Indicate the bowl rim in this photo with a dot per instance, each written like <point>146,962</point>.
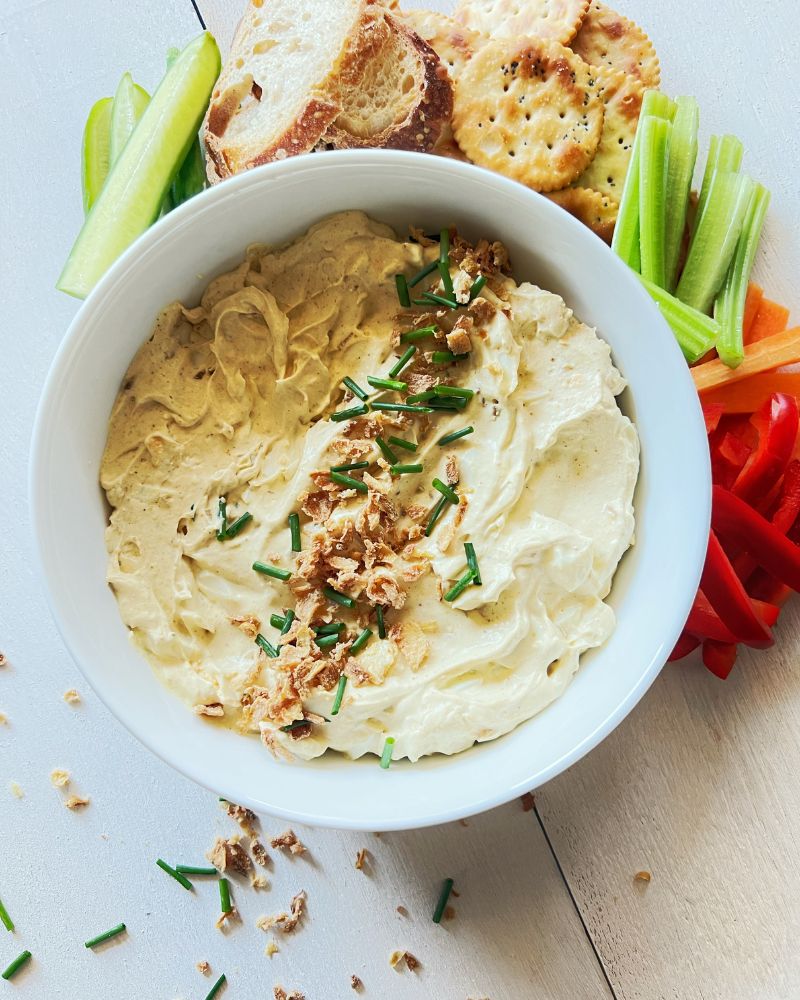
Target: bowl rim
<point>220,193</point>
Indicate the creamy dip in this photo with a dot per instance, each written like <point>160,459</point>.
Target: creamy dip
<point>233,398</point>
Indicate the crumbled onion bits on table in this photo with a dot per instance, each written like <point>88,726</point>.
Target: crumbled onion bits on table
<point>410,960</point>
<point>3,659</point>
<point>59,778</point>
<point>72,697</point>
<point>77,802</point>
<point>288,840</point>
<point>642,877</point>
<point>16,790</point>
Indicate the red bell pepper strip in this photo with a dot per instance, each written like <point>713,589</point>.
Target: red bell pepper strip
<point>725,591</point>
<point>719,657</point>
<point>777,422</point>
<point>738,522</point>
<point>711,414</point>
<point>788,507</point>
<point>729,455</point>
<point>686,644</point>
<point>704,623</point>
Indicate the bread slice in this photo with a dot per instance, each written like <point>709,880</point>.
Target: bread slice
<point>400,98</point>
<point>279,88</point>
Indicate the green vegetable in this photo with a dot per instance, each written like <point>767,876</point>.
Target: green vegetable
<point>401,408</point>
<point>625,243</point>
<point>386,451</point>
<point>695,332</point>
<point>381,622</point>
<point>355,388</point>
<point>273,571</point>
<point>458,588</point>
<point>349,467</point>
<point>337,701</point>
<point>233,530</point>
<point>338,598</point>
<point>176,875</point>
<point>447,491</point>
<point>349,482</point>
<point>477,287</point>
<point>680,170</point>
<point>401,443</point>
<point>386,756</point>
<point>130,103</point>
<point>7,922</point>
<point>714,239</point>
<point>294,531</point>
<point>216,987</point>
<point>191,177</point>
<point>392,384</point>
<point>401,362</point>
<point>402,290</point>
<point>455,435</point>
<point>105,936</point>
<point>472,562</point>
<point>327,641</point>
<point>421,334</point>
<point>267,646</point>
<point>423,273</point>
<point>405,470</point>
<point>225,895</point>
<point>432,299</point>
<point>134,190</point>
<point>361,641</point>
<point>436,513</point>
<point>725,153</point>
<point>329,629</point>
<point>16,965</point>
<point>195,870</point>
<point>653,162</point>
<point>444,895</point>
<point>729,308</point>
<point>222,511</point>
<point>455,391</point>
<point>95,151</point>
<point>350,414</point>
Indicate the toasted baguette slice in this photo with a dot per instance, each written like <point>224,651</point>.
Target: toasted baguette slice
<point>401,98</point>
<point>278,90</point>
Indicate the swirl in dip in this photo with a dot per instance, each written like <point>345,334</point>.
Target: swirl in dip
<point>233,399</point>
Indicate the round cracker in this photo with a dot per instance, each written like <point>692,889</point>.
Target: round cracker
<point>528,108</point>
<point>610,40</point>
<point>622,98</point>
<point>452,42</point>
<point>556,19</point>
<point>595,210</point>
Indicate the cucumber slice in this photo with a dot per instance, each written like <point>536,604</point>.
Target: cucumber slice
<point>95,151</point>
<point>135,187</point>
<point>130,102</point>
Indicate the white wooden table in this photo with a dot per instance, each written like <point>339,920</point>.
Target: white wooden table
<point>699,786</point>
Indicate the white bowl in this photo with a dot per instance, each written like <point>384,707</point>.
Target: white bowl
<point>175,259</point>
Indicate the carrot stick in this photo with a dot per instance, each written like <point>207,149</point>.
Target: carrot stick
<point>755,293</point>
<point>770,319</point>
<point>750,394</point>
<point>772,352</point>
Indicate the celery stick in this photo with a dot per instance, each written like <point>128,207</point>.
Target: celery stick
<point>95,151</point>
<point>130,101</point>
<point>724,153</point>
<point>682,158</point>
<point>729,307</point>
<point>653,165</point>
<point>625,242</point>
<point>695,332</point>
<point>714,240</point>
<point>136,185</point>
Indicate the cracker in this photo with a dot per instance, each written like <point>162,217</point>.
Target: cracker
<point>622,97</point>
<point>611,40</point>
<point>593,209</point>
<point>452,42</point>
<point>556,19</point>
<point>530,109</point>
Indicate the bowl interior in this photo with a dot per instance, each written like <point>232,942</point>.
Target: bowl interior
<point>175,260</point>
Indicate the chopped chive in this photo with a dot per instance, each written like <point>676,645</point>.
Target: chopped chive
<point>458,588</point>
<point>277,621</point>
<point>337,598</point>
<point>297,724</point>
<point>455,435</point>
<point>350,414</point>
<point>449,403</point>
<point>472,562</point>
<point>8,923</point>
<point>16,965</point>
<point>287,622</point>
<point>327,641</point>
<point>402,361</point>
<point>216,987</point>
<point>424,331</point>
<point>444,246</point>
<point>355,388</point>
<point>401,408</point>
<point>361,641</point>
<point>444,895</point>
<point>423,273</point>
<point>381,623</point>
<point>274,571</point>
<point>238,524</point>
<point>105,936</point>
<point>222,510</point>
<point>454,390</point>
<point>386,451</point>
<point>431,298</point>
<point>446,357</point>
<point>447,281</point>
<point>329,629</point>
<point>349,482</point>
<point>435,515</point>
<point>408,445</point>
<point>225,895</point>
<point>387,383</point>
<point>402,290</point>
<point>267,646</point>
<point>386,756</point>
<point>477,287</point>
<point>195,869</point>
<point>421,397</point>
<point>350,466</point>
<point>447,491</point>
<point>176,875</point>
<point>337,700</point>
<point>404,470</point>
<point>294,529</point>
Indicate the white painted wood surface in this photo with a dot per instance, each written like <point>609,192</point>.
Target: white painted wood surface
<point>698,786</point>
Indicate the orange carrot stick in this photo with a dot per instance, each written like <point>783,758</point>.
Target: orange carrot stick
<point>751,393</point>
<point>772,352</point>
<point>755,293</point>
<point>770,319</point>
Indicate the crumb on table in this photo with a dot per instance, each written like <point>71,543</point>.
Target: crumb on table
<point>397,957</point>
<point>77,801</point>
<point>288,840</point>
<point>355,983</point>
<point>72,697</point>
<point>16,790</point>
<point>59,778</point>
<point>361,858</point>
<point>642,876</point>
<point>204,968</point>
